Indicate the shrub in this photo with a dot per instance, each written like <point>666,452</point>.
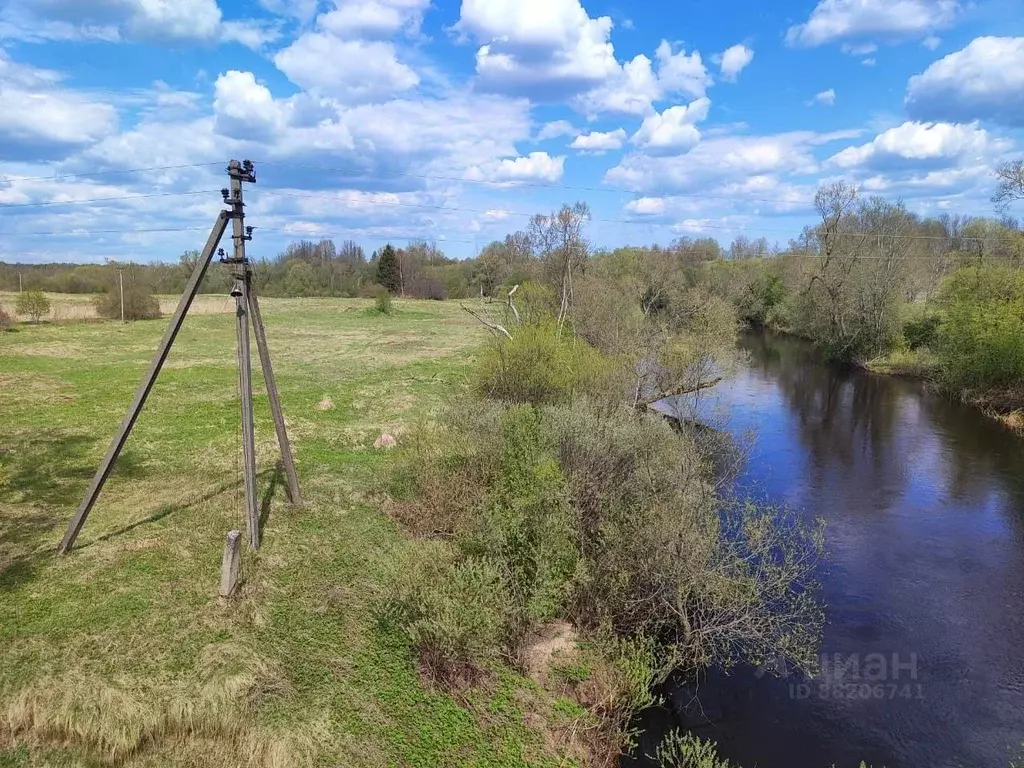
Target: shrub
<point>453,610</point>
<point>139,302</point>
<point>679,750</point>
<point>383,303</point>
<point>981,336</point>
<point>6,321</point>
<point>32,303</point>
<point>539,365</point>
<point>921,331</point>
<point>526,525</point>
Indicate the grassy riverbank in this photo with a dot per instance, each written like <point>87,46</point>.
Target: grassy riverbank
<point>1004,404</point>
<point>122,653</point>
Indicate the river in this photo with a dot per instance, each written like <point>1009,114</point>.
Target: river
<point>924,504</point>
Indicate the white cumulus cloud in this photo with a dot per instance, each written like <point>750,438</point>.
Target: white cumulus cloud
<point>734,60</point>
<point>596,141</point>
<point>40,118</point>
<point>984,81</point>
<point>833,20</point>
<point>156,20</point>
<point>639,83</point>
<point>536,166</point>
<point>828,98</point>
<point>373,18</point>
<point>646,206</point>
<point>555,129</point>
<point>919,145</point>
<point>550,47</point>
<point>350,70</point>
<point>672,130</point>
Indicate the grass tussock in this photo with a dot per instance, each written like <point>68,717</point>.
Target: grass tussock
<point>104,721</point>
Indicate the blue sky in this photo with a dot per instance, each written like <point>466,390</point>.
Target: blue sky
<point>453,121</point>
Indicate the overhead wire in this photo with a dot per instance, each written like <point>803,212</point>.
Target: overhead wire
<point>84,174</point>
<point>334,197</point>
<point>5,206</point>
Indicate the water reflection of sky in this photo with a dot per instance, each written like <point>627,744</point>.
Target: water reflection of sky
<point>924,502</point>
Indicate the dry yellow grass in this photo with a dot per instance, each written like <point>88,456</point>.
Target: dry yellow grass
<point>78,307</point>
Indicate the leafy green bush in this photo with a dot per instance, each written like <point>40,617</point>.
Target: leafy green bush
<point>540,365</point>
<point>981,336</point>
<point>139,302</point>
<point>32,303</point>
<point>684,750</point>
<point>453,609</point>
<point>526,526</point>
<point>921,331</point>
<point>383,303</point>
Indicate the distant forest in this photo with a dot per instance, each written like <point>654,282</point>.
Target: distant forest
<point>422,270</point>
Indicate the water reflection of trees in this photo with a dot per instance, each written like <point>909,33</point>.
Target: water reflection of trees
<point>846,421</point>
<point>981,451</point>
<point>857,430</point>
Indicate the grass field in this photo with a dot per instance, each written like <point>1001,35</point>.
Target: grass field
<point>122,653</point>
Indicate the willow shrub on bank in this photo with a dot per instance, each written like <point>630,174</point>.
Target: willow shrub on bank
<point>580,506</point>
<point>605,517</point>
<point>981,336</point>
<point>539,365</point>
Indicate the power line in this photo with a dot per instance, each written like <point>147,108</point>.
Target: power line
<point>89,233</point>
<point>111,173</point>
<point>513,183</point>
<point>5,206</point>
<point>330,197</point>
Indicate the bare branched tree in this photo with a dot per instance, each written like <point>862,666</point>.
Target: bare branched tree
<point>1011,184</point>
<point>561,244</point>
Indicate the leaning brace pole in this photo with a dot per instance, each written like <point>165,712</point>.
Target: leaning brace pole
<point>294,496</point>
<point>219,226</point>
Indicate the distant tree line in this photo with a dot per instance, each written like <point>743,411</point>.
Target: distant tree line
<point>861,231</point>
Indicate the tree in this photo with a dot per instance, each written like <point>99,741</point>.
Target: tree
<point>188,261</point>
<point>563,248</point>
<point>139,301</point>
<point>34,304</point>
<point>1011,184</point>
<point>300,280</point>
<point>388,271</point>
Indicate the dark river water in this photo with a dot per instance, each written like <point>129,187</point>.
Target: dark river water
<point>924,503</point>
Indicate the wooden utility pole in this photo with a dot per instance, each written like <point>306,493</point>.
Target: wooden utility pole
<point>240,291</point>
<point>246,304</point>
<point>120,280</point>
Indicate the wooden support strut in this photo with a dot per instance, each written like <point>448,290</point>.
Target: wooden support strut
<point>294,494</point>
<point>246,305</point>
<point>191,288</point>
<point>230,563</point>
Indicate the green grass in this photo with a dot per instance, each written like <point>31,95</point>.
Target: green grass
<point>919,363</point>
<point>122,653</point>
